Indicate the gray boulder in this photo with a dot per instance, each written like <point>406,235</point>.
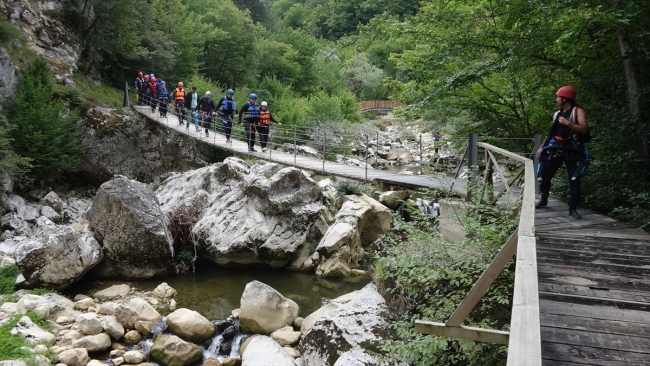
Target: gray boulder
<point>264,310</point>
<point>8,80</point>
<point>53,200</point>
<point>126,219</point>
<point>355,327</point>
<point>56,256</point>
<point>262,350</point>
<point>191,325</point>
<point>32,333</point>
<point>173,351</point>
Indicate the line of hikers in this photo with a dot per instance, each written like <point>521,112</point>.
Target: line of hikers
<point>153,92</point>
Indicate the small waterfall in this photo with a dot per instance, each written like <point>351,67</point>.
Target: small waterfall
<point>428,208</point>
<point>226,340</point>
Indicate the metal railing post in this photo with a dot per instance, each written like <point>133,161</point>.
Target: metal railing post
<point>269,142</point>
<point>537,141</point>
<point>367,143</point>
<point>377,149</point>
<point>472,163</point>
<point>324,147</point>
<point>295,147</point>
<point>125,103</point>
<point>345,145</point>
<point>421,154</point>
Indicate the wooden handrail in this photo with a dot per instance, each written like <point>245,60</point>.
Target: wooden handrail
<point>379,104</point>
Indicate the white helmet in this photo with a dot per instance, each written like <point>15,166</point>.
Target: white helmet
<point>208,93</point>
<point>265,104</point>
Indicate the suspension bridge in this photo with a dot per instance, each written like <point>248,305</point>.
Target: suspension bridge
<point>581,291</point>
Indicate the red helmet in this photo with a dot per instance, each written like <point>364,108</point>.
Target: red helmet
<point>180,84</point>
<point>566,92</point>
<point>152,80</point>
<point>139,74</point>
<point>146,77</point>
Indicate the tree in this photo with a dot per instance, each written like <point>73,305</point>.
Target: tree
<point>45,132</point>
<point>360,74</point>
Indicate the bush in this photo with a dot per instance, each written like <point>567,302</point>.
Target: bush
<point>7,32</point>
<point>181,223</point>
<point>346,186</point>
<point>7,279</point>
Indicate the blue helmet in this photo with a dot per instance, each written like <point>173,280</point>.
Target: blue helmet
<point>252,96</point>
<point>151,75</point>
<point>162,82</point>
<point>230,92</point>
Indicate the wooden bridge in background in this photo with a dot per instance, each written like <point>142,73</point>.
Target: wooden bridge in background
<point>379,105</point>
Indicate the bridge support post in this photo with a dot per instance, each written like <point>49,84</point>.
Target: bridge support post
<point>125,103</point>
<point>421,154</point>
<point>377,150</point>
<point>366,178</point>
<point>537,140</point>
<point>295,145</point>
<point>324,151</point>
<point>472,163</point>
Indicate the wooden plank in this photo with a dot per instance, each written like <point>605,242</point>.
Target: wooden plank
<point>501,151</point>
<point>484,282</point>
<point>554,352</point>
<point>498,169</point>
<point>539,214</point>
<point>469,333</point>
<point>613,283</point>
<point>596,301</point>
<point>594,291</point>
<point>595,312</point>
<point>595,325</point>
<point>612,234</point>
<point>597,340</point>
<point>603,268</point>
<point>578,256</point>
<point>575,224</point>
<point>637,283</point>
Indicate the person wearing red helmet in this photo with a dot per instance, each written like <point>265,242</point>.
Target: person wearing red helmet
<point>152,93</point>
<point>138,85</point>
<point>564,144</point>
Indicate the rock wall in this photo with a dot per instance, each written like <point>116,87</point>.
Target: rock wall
<point>7,75</point>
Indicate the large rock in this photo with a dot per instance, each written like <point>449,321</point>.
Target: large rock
<point>191,325</point>
<point>164,292</point>
<point>126,316</point>
<point>263,350</point>
<point>135,357</point>
<point>360,220</point>
<point>8,80</point>
<point>264,310</point>
<point>56,256</point>
<point>89,324</point>
<point>256,215</point>
<point>32,333</point>
<point>113,292</point>
<point>173,351</point>
<point>93,343</point>
<point>286,336</point>
<point>126,219</point>
<point>113,327</point>
<point>392,199</point>
<point>52,199</point>
<point>356,327</point>
<point>145,311</point>
<point>74,357</point>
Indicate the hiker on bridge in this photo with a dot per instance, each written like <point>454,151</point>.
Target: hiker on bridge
<point>191,104</point>
<point>564,144</point>
<point>163,99</point>
<point>264,125</point>
<point>251,113</point>
<point>139,87</point>
<point>207,109</point>
<point>152,92</point>
<point>228,109</point>
<point>179,102</point>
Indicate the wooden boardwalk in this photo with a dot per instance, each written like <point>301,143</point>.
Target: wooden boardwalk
<point>306,162</point>
<point>594,289</point>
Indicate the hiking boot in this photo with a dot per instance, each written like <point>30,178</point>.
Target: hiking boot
<point>543,201</point>
<point>263,149</point>
<point>252,149</point>
<point>207,134</point>
<point>574,213</point>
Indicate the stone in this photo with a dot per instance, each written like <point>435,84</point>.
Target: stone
<point>164,291</point>
<point>309,321</point>
<point>191,325</point>
<point>298,322</point>
<point>113,292</point>
<point>135,357</point>
<point>356,327</point>
<point>126,316</point>
<point>79,297</point>
<point>7,262</point>
<point>211,361</point>
<point>292,351</point>
<point>89,324</point>
<point>93,343</point>
<point>144,327</point>
<point>8,80</point>
<point>69,337</point>
<point>173,351</point>
<point>132,337</point>
<point>286,337</point>
<point>392,199</point>
<point>231,361</point>
<point>96,363</point>
<point>145,311</point>
<point>117,353</point>
<point>56,256</point>
<point>49,212</point>
<point>107,308</point>
<point>258,214</point>
<point>74,357</point>
<point>113,327</point>
<point>32,333</point>
<point>84,304</point>
<point>235,313</point>
<point>126,219</point>
<point>262,350</point>
<point>264,310</point>
<point>52,200</point>
<point>118,361</point>
<point>64,320</point>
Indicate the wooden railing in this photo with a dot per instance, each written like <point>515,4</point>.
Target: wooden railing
<point>376,105</point>
<point>523,339</point>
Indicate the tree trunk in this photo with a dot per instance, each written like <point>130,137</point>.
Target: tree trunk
<point>634,94</point>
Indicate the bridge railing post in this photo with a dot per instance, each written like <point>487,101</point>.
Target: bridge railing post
<point>125,103</point>
<point>472,163</point>
<point>324,147</point>
<point>295,145</point>
<point>377,150</point>
<point>365,180</point>
<point>421,154</point>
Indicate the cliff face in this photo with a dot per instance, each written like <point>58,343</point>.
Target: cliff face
<point>45,34</point>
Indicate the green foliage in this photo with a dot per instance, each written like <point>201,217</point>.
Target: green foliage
<point>407,134</point>
<point>45,132</point>
<point>11,163</point>
<point>10,345</point>
<point>345,187</point>
<point>361,75</point>
<point>423,276</point>
<point>7,33</point>
<point>324,108</point>
<point>7,279</point>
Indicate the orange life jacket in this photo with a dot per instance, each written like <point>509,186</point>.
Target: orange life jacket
<point>265,118</point>
<point>179,94</point>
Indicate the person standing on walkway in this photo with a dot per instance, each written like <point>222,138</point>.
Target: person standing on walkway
<point>264,125</point>
<point>207,109</point>
<point>179,102</point>
<point>191,103</point>
<point>144,89</point>
<point>436,141</point>
<point>564,144</point>
<point>228,109</point>
<point>152,93</point>
<point>138,85</point>
<point>163,98</point>
<point>250,111</point>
